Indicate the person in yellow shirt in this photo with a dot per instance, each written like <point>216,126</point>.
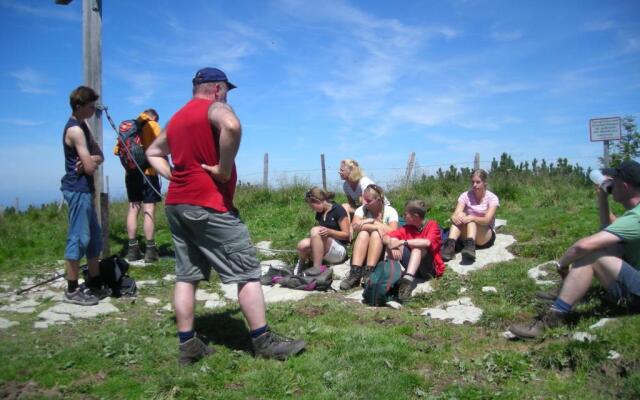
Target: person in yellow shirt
<point>143,193</point>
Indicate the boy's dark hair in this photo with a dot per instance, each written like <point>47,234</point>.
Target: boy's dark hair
<point>417,207</point>
<point>153,113</point>
<point>82,95</point>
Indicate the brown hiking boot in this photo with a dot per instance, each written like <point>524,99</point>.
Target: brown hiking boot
<point>193,350</point>
<point>151,254</point>
<point>366,274</point>
<point>134,253</point>
<point>449,251</point>
<point>536,328</point>
<point>405,287</point>
<point>353,279</point>
<point>469,250</point>
<point>272,345</point>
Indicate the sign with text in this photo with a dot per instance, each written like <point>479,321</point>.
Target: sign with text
<point>605,129</point>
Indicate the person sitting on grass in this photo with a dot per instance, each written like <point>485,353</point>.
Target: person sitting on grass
<point>370,221</point>
<point>416,245</point>
<point>473,220</point>
<point>612,255</point>
<point>329,239</point>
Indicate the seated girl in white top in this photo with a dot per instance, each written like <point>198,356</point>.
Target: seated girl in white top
<point>329,239</point>
<point>473,220</point>
<point>369,221</point>
<point>354,184</point>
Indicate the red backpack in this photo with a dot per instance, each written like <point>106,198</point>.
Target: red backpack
<point>131,151</point>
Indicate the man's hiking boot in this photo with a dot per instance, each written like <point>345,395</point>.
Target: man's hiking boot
<point>548,296</point>
<point>80,297</point>
<point>134,253</point>
<point>353,279</point>
<point>469,250</point>
<point>449,251</point>
<point>99,292</point>
<point>151,254</point>
<point>405,287</point>
<point>193,350</point>
<point>272,345</point>
<point>534,329</point>
<point>366,274</point>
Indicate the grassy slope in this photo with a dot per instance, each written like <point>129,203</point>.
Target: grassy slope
<point>354,352</point>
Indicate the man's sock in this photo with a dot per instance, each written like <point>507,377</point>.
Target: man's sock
<point>72,286</point>
<point>560,306</point>
<point>409,277</point>
<point>184,336</point>
<point>257,332</point>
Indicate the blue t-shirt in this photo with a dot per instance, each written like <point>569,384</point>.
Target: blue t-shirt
<point>72,181</point>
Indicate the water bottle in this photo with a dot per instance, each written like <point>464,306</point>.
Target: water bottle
<point>603,181</point>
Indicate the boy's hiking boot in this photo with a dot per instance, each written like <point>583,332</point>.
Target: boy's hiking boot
<point>272,345</point>
<point>534,329</point>
<point>99,292</point>
<point>192,350</point>
<point>449,251</point>
<point>151,254</point>
<point>469,250</point>
<point>353,279</point>
<point>405,287</point>
<point>134,253</point>
<point>80,297</point>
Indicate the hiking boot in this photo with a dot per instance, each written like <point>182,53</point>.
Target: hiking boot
<point>469,250</point>
<point>99,292</point>
<point>192,350</point>
<point>405,287</point>
<point>536,328</point>
<point>79,297</point>
<point>272,345</point>
<point>134,253</point>
<point>151,254</point>
<point>366,274</point>
<point>353,279</point>
<point>548,296</point>
<point>449,251</point>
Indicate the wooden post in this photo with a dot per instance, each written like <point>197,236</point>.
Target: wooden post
<point>476,162</point>
<point>412,160</point>
<point>605,153</point>
<point>92,71</point>
<point>265,175</point>
<point>324,172</point>
<point>17,204</point>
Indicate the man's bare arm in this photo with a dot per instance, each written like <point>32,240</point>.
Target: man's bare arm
<point>222,117</point>
<point>157,153</point>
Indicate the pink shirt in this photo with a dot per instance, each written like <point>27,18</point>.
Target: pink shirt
<point>479,208</point>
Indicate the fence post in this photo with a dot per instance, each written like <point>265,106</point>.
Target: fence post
<point>412,160</point>
<point>17,204</point>
<point>324,172</point>
<point>476,162</point>
<point>265,175</point>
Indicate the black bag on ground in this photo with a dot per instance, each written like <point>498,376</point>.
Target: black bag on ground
<point>113,272</point>
<point>314,278</point>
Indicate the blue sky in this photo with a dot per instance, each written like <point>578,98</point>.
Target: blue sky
<point>369,80</point>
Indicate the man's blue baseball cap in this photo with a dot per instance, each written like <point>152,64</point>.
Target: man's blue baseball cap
<point>209,74</point>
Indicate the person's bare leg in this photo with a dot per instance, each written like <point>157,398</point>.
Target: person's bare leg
<point>317,246</point>
<point>149,221</point>
<point>304,249</point>
<point>184,301</point>
<point>360,248</point>
<point>375,249</point>
<point>132,220</point>
<point>251,302</point>
<point>414,261</point>
<point>454,232</point>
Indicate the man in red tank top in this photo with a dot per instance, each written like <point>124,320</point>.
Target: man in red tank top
<point>203,138</point>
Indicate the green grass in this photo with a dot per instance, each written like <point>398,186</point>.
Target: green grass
<point>353,352</point>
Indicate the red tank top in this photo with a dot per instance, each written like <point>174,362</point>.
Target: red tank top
<point>192,142</point>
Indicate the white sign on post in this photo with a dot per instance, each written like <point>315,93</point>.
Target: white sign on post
<point>605,129</point>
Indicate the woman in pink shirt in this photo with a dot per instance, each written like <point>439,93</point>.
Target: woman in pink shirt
<point>473,220</point>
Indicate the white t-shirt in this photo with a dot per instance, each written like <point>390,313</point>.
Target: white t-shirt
<point>357,193</point>
<point>390,214</point>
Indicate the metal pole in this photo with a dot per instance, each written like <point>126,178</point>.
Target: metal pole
<point>605,155</point>
<point>92,72</point>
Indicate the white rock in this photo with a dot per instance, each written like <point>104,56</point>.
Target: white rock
<point>150,282</point>
<point>203,295</point>
<point>499,223</point>
<point>357,295</point>
<point>508,335</point>
<point>422,287</point>
<point>168,307</point>
<point>583,337</point>
<point>394,304</point>
<point>64,311</point>
<point>210,304</point>
<point>489,289</point>
<point>24,307</point>
<point>151,300</point>
<point>496,253</point>
<point>169,278</point>
<point>462,290</point>
<point>613,355</point>
<point>272,294</point>
<point>264,248</point>
<point>5,323</point>
<point>458,311</point>
<point>601,323</point>
<point>5,287</point>
<point>538,272</point>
